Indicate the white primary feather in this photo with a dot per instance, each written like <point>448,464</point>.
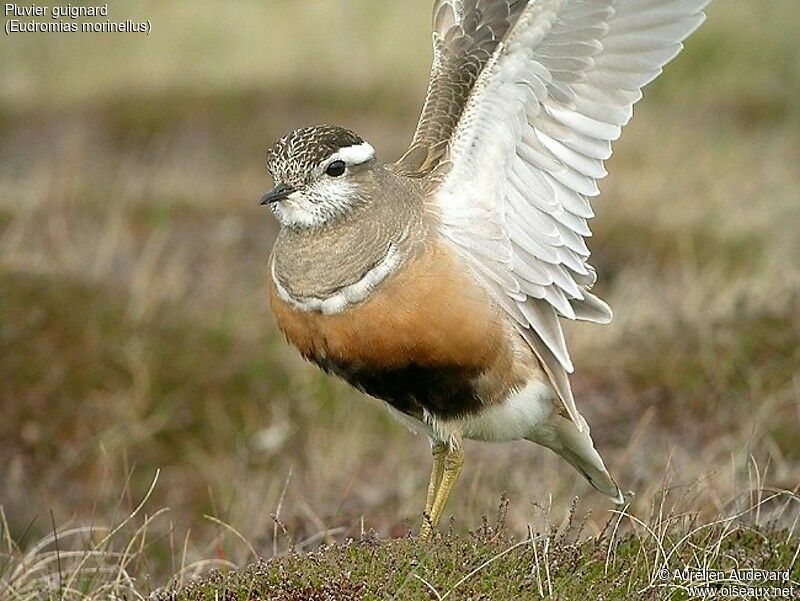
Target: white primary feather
<point>529,148</point>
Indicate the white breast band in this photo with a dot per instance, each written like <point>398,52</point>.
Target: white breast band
<point>344,297</point>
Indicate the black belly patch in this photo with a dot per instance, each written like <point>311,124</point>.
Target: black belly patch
<point>445,392</point>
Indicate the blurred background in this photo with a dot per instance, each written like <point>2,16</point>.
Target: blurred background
<point>135,333</point>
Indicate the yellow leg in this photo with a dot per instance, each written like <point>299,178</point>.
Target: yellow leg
<point>438,451</point>
<point>452,462</point>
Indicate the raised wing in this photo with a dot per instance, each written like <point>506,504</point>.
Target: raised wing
<point>466,33</point>
<point>528,149</point>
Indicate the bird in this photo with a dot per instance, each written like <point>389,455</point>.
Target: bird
<point>438,282</point>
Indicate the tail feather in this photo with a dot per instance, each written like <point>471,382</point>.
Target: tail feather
<point>576,446</point>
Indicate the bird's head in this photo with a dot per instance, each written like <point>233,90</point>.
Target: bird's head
<point>320,174</point>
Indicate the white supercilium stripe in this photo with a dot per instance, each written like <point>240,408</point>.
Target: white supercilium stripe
<point>354,155</point>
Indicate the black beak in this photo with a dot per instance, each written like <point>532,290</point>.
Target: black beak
<point>279,192</point>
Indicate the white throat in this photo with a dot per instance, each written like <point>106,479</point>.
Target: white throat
<point>330,199</point>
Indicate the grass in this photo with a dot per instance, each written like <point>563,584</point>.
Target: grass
<point>670,554</point>
<point>135,337</point>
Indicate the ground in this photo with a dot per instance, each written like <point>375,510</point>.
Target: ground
<point>140,367</point>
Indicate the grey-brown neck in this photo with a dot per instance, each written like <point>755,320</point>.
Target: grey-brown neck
<point>341,261</point>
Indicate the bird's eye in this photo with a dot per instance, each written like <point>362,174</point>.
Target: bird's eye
<point>335,169</point>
